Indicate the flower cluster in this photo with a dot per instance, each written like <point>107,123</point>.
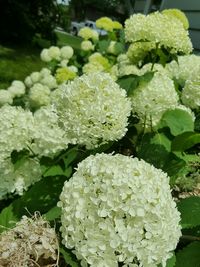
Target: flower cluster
<point>30,241</point>
<point>16,125</point>
<point>15,129</point>
<point>138,51</point>
<point>177,14</point>
<point>92,109</point>
<point>56,53</point>
<point>190,95</point>
<point>96,63</point>
<point>18,179</point>
<point>65,74</point>
<point>17,89</point>
<point>87,33</point>
<point>108,24</point>
<point>48,137</point>
<point>165,31</point>
<point>43,77</point>
<point>151,99</point>
<point>118,209</point>
<point>5,97</point>
<point>187,68</point>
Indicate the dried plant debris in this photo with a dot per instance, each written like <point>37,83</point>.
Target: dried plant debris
<point>32,242</point>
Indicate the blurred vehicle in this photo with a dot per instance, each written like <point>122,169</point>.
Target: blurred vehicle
<point>76,26</point>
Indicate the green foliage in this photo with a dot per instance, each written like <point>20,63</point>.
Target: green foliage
<point>7,219</point>
<point>69,257</point>
<point>155,149</point>
<point>53,214</point>
<point>103,45</point>
<point>131,82</point>
<point>189,256</point>
<point>23,19</point>
<point>171,262</point>
<point>190,212</point>
<point>185,140</point>
<point>178,121</point>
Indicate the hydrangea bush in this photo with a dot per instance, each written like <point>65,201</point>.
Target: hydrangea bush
<point>121,212</point>
<point>104,141</point>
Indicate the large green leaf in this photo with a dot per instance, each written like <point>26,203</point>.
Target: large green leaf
<point>189,256</point>
<point>103,45</point>
<point>153,150</point>
<point>161,139</point>
<point>129,83</point>
<point>190,211</point>
<point>7,218</point>
<point>178,121</point>
<point>53,214</point>
<point>185,140</point>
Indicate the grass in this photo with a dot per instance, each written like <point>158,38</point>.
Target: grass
<point>18,62</point>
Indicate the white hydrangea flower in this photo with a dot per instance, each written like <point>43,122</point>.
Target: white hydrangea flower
<point>15,129</point>
<point>87,33</point>
<point>5,97</point>
<point>17,89</point>
<point>64,62</point>
<point>39,95</point>
<point>27,174</point>
<point>30,242</point>
<point>48,137</point>
<point>187,68</point>
<point>28,82</point>
<point>112,48</point>
<point>43,77</point>
<point>118,209</point>
<point>54,52</point>
<point>150,100</point>
<point>45,72</point>
<point>66,52</point>
<point>45,55</point>
<point>190,95</point>
<point>87,45</point>
<point>49,80</point>
<point>93,109</point>
<point>73,68</point>
<point>17,179</point>
<point>35,77</point>
<point>159,28</point>
<point>92,67</point>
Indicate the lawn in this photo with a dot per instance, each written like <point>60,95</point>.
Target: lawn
<point>17,62</point>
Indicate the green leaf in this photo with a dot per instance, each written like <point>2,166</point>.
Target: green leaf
<point>190,211</point>
<point>189,256</point>
<point>178,121</point>
<point>158,155</point>
<point>171,262</point>
<point>119,48</point>
<point>70,156</point>
<point>42,196</point>
<point>161,139</point>
<point>185,140</point>
<point>129,83</point>
<point>103,45</point>
<point>69,258</point>
<point>146,78</point>
<point>53,214</point>
<point>7,218</point>
<point>55,170</point>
